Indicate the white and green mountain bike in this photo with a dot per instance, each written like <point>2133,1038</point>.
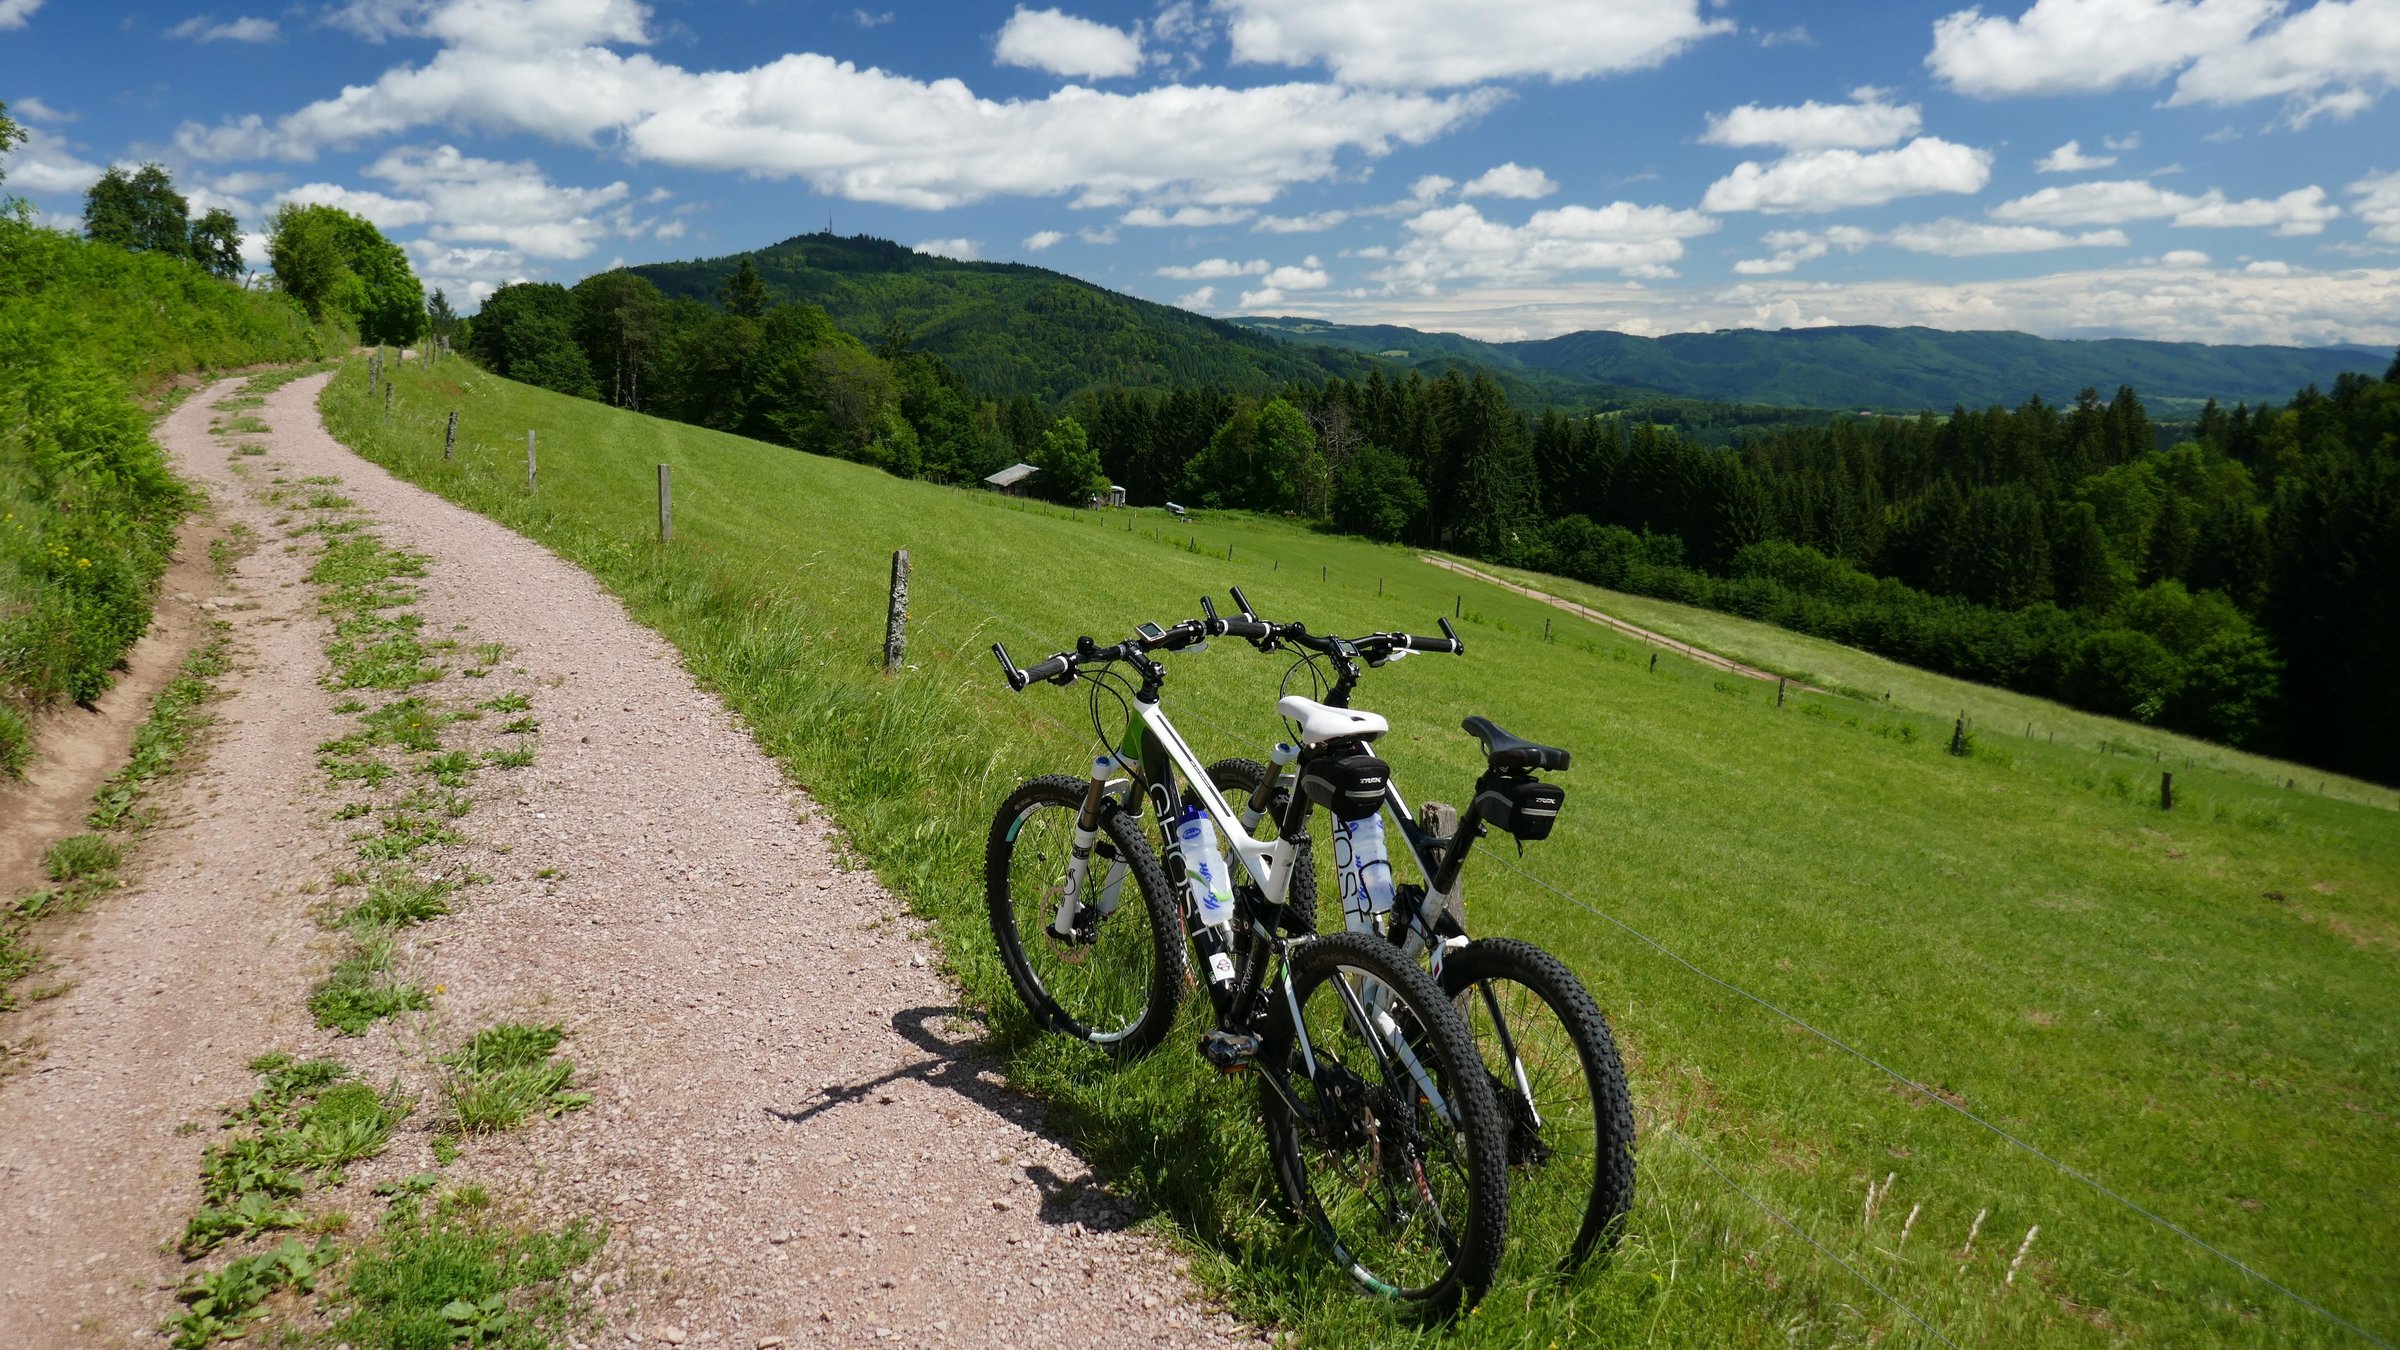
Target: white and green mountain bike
<point>1381,1121</point>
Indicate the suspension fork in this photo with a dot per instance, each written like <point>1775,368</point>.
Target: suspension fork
<point>1079,859</point>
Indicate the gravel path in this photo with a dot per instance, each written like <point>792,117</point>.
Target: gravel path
<point>793,1135</point>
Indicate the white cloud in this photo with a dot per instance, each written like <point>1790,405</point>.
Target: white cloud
<point>2119,201</point>
<point>1196,299</point>
<point>535,25</point>
<point>1830,180</point>
<point>2379,205</point>
<point>1263,298</point>
<point>205,28</point>
<point>870,135</point>
<point>1305,224</point>
<point>468,275</point>
<point>1794,247</point>
<point>2131,140</point>
<point>1863,123</point>
<point>32,109</point>
<point>2300,211</point>
<point>2184,257</point>
<point>2197,305</point>
<point>1185,217</point>
<point>870,19</point>
<point>386,213</point>
<point>964,250</point>
<point>45,164</point>
<point>1426,44</point>
<point>2069,158</point>
<point>1047,39</point>
<point>1308,276</point>
<point>2084,46</point>
<point>2267,267</point>
<point>1214,269</point>
<point>1457,242</point>
<point>1975,238</point>
<point>1042,239</point>
<point>1510,180</point>
<point>2333,59</point>
<point>1105,236</point>
<point>14,13</point>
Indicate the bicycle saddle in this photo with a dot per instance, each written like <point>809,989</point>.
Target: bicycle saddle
<point>1513,752</point>
<point>1320,723</point>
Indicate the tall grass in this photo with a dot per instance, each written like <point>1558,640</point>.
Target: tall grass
<point>87,507</point>
<point>2194,1007</point>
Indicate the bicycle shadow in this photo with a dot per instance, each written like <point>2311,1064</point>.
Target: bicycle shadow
<point>957,1061</point>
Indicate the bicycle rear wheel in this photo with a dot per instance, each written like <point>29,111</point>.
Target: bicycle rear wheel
<point>1413,1203</point>
<point>1115,978</point>
<point>1554,1067</point>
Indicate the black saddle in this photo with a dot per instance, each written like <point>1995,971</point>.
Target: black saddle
<point>1512,752</point>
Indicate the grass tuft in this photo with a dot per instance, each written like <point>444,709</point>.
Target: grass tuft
<point>505,1076</point>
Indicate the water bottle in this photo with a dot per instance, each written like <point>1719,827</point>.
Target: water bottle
<point>1365,870</point>
<point>1204,867</point>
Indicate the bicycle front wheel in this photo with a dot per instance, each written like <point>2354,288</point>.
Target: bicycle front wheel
<point>1554,1067</point>
<point>1390,1143</point>
<point>1114,975</point>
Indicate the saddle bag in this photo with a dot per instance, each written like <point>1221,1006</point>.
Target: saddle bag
<point>1525,808</point>
<point>1350,786</point>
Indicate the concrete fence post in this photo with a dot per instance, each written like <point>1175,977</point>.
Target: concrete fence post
<point>895,623</point>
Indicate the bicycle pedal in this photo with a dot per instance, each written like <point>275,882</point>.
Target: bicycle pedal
<point>1229,1051</point>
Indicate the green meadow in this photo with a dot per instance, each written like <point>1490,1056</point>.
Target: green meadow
<point>2196,1008</point>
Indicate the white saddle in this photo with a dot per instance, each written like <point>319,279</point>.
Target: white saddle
<point>1320,723</point>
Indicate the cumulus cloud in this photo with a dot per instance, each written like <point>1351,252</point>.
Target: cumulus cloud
<point>14,13</point>
<point>2183,257</point>
<point>1265,297</point>
<point>2149,301</point>
<point>2084,46</point>
<point>965,250</point>
<point>1509,180</point>
<point>1214,269</point>
<point>2119,201</point>
<point>205,28</point>
<point>1830,180</point>
<point>868,134</point>
<point>33,109</point>
<point>45,164</point>
<point>1051,40</point>
<point>1042,239</point>
<point>1867,121</point>
<point>483,201</point>
<point>2379,205</point>
<point>1428,44</point>
<point>2069,158</point>
<point>1302,224</point>
<point>385,212</point>
<point>1457,242</point>
<point>1974,238</point>
<point>1185,217</point>
<point>2334,58</point>
<point>1196,299</point>
<point>1794,247</point>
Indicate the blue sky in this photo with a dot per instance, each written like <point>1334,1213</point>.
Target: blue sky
<point>2216,170</point>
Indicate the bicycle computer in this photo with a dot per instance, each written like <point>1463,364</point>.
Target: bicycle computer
<point>1150,631</point>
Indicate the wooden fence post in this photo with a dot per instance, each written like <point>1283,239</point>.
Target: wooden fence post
<point>1958,737</point>
<point>1324,574</point>
<point>450,437</point>
<point>1458,607</point>
<point>895,624</point>
<point>2166,790</point>
<point>1654,663</point>
<point>530,478</point>
<point>666,507</point>
<point>387,403</point>
<point>1779,691</point>
<point>1545,630</point>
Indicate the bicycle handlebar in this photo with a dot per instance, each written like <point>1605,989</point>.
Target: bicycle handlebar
<point>1061,667</point>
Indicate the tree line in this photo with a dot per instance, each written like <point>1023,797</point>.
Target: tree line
<point>2208,585</point>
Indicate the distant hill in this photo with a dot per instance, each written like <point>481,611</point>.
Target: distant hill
<point>1861,367</point>
<point>1006,327</point>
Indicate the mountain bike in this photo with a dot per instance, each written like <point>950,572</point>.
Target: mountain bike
<point>1383,1128</point>
<point>1542,1036</point>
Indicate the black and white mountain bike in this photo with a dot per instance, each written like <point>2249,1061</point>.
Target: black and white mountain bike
<point>1552,1059</point>
<point>1382,1124</point>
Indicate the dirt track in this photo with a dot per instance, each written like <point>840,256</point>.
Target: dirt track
<point>793,1136</point>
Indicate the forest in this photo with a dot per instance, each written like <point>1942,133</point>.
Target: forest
<point>2220,584</point>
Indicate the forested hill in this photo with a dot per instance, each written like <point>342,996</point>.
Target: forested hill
<point>1007,328</point>
<point>1862,367</point>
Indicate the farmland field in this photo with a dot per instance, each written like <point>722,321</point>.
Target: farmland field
<point>2195,1008</point>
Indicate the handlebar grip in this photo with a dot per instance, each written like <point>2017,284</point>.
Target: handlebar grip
<point>1049,670</point>
<point>1251,630</point>
<point>1448,646</point>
